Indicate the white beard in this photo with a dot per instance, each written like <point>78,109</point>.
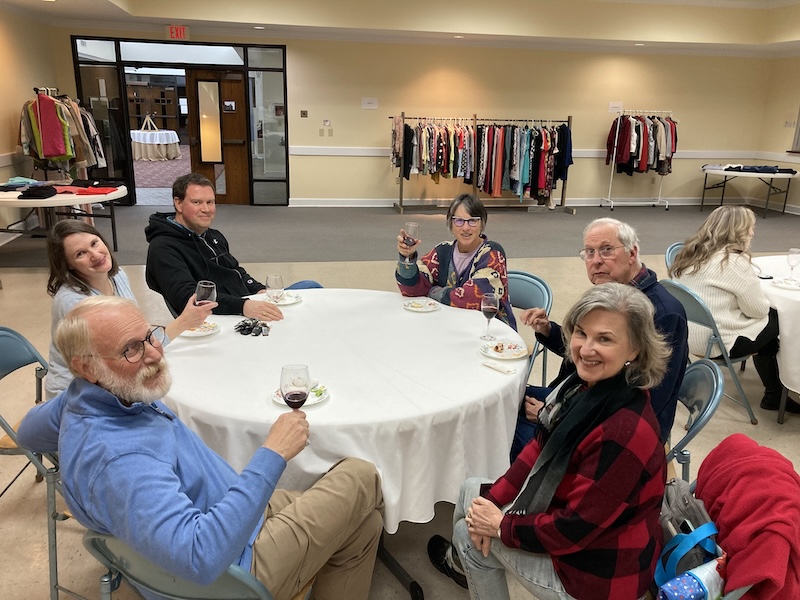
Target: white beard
<point>138,389</point>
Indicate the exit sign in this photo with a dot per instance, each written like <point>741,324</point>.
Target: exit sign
<point>177,32</point>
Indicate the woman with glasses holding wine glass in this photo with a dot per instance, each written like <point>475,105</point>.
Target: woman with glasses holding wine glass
<point>459,272</point>
<point>81,265</point>
<point>715,264</point>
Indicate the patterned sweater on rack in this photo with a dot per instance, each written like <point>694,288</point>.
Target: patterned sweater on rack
<point>435,275</point>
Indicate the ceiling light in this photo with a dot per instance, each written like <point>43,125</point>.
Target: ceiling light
<point>459,37</point>
<point>255,27</point>
<point>639,44</point>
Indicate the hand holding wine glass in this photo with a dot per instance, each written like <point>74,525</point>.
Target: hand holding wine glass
<point>410,237</point>
<point>295,385</point>
<point>793,258</point>
<point>205,292</point>
<point>489,307</point>
<point>275,287</point>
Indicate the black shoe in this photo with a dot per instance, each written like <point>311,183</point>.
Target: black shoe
<point>438,548</point>
<point>772,402</point>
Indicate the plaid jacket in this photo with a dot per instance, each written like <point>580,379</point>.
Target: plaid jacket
<point>602,529</point>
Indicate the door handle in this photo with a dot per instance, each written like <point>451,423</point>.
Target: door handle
<point>235,142</point>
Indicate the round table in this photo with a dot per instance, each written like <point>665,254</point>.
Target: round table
<point>163,144</point>
<point>787,303</point>
<point>408,392</point>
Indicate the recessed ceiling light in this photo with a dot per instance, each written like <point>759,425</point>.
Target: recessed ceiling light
<point>259,27</point>
<point>639,44</point>
<point>459,37</point>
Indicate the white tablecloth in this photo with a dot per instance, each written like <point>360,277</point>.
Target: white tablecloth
<point>407,392</point>
<point>787,303</point>
<point>163,144</point>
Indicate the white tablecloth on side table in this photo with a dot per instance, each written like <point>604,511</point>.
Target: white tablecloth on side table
<point>407,392</point>
<point>163,144</point>
<point>787,303</point>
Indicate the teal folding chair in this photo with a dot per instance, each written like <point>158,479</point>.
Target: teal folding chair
<point>697,312</point>
<point>701,392</point>
<point>672,252</point>
<point>530,291</point>
<point>123,562</point>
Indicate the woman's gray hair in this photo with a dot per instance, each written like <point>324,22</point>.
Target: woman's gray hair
<point>625,233</point>
<point>649,367</point>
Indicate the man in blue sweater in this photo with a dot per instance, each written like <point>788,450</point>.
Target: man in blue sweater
<point>132,469</point>
<point>611,253</point>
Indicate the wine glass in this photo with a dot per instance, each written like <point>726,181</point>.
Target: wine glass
<point>793,258</point>
<point>274,287</point>
<point>412,235</point>
<point>295,384</point>
<point>205,292</point>
<point>489,306</point>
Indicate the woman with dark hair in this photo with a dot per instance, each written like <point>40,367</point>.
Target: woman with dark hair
<point>715,264</point>
<point>458,273</point>
<point>577,513</point>
<point>81,265</point>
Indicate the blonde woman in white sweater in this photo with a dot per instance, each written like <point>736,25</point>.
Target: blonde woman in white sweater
<point>715,264</point>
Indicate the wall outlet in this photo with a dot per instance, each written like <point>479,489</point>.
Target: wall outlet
<point>321,132</point>
<point>789,124</point>
<point>330,132</point>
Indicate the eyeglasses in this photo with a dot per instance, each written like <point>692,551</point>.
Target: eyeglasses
<point>459,222</point>
<point>604,252</point>
<point>134,351</point>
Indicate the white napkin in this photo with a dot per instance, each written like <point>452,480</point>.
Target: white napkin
<point>506,369</point>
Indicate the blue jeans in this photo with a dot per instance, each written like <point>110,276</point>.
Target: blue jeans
<point>304,284</point>
<point>486,575</point>
<point>525,430</point>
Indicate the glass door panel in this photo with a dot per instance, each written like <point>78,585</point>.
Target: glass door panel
<point>268,146</point>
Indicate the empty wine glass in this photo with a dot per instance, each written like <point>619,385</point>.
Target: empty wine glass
<point>793,258</point>
<point>205,292</point>
<point>275,287</point>
<point>412,235</point>
<point>295,385</point>
<point>489,306</point>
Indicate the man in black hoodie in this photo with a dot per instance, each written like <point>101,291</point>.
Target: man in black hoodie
<point>184,250</point>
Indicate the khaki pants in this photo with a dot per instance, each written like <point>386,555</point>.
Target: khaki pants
<point>331,530</point>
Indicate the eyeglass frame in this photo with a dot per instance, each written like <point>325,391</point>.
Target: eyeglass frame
<point>471,221</point>
<point>130,347</point>
<point>605,252</point>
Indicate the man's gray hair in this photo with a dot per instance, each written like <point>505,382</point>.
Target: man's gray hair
<point>625,233</point>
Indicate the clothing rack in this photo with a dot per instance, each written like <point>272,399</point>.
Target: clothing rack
<point>400,205</point>
<point>659,199</point>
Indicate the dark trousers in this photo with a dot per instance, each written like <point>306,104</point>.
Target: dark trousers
<point>526,430</point>
<point>765,349</point>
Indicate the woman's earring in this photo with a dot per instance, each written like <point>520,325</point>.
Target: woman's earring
<point>627,363</point>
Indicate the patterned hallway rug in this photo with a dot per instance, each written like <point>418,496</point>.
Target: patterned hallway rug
<point>161,173</point>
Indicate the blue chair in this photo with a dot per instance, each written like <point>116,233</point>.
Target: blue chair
<point>697,312</point>
<point>121,561</point>
<point>672,251</point>
<point>530,291</point>
<point>701,392</point>
<point>15,353</point>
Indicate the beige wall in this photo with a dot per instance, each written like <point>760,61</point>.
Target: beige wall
<point>25,62</point>
<point>731,109</point>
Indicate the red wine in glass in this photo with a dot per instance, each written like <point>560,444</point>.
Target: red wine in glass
<point>490,304</point>
<point>205,293</point>
<point>295,399</point>
<point>490,312</point>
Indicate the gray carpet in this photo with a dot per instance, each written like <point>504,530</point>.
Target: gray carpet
<point>282,234</point>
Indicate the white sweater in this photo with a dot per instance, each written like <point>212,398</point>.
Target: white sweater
<point>732,292</point>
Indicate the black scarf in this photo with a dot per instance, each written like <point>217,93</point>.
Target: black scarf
<point>580,414</point>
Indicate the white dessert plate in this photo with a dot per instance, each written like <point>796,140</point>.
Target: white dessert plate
<point>310,401</point>
<point>207,328</point>
<point>289,298</point>
<point>504,350</point>
<point>786,284</point>
<point>421,305</point>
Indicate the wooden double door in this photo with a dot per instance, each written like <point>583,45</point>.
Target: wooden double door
<point>229,172</point>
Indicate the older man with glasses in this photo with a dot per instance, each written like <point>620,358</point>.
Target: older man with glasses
<point>611,253</point>
<point>132,469</point>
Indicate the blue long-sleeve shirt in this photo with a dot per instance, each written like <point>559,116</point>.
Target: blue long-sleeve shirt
<point>139,474</point>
